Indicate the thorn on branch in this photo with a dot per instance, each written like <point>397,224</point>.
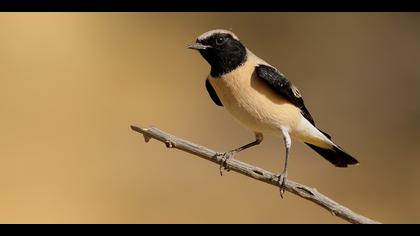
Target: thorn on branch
<point>146,138</point>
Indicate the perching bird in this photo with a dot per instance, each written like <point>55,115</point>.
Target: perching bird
<point>261,98</point>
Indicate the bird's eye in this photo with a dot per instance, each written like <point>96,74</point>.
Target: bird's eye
<point>220,40</point>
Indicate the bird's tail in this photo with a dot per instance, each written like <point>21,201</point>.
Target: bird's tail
<point>336,155</point>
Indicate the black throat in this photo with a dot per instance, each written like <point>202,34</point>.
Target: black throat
<point>219,69</point>
<point>225,59</point>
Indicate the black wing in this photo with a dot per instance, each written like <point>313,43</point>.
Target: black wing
<point>278,82</point>
<point>213,94</point>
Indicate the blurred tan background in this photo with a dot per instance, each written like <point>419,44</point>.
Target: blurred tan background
<point>72,83</point>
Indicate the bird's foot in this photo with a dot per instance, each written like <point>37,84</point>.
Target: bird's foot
<point>282,183</point>
<point>225,157</point>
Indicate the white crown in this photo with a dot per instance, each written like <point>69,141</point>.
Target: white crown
<point>216,31</point>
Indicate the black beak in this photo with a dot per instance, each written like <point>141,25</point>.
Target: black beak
<point>198,46</point>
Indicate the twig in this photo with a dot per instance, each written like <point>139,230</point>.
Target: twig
<point>298,189</point>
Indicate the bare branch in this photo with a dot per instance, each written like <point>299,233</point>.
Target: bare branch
<point>254,172</point>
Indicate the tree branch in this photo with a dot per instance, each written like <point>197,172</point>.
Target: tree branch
<point>254,172</point>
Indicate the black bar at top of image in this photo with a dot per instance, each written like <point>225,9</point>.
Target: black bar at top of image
<point>213,5</point>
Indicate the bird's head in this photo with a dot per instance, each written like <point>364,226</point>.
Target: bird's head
<point>222,50</point>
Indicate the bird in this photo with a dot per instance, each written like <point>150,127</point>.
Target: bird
<point>262,99</point>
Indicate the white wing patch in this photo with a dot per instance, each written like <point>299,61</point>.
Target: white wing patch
<point>296,91</point>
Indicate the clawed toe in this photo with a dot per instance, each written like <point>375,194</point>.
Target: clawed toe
<point>282,183</point>
<point>225,157</point>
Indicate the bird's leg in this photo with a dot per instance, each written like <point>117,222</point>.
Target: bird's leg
<point>227,155</point>
<point>283,175</point>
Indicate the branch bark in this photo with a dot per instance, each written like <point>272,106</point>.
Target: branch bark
<point>254,172</point>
